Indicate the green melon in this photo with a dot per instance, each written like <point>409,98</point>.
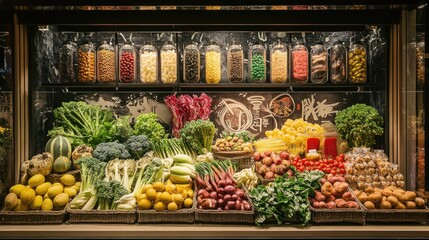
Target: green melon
<point>59,146</point>
<point>61,164</point>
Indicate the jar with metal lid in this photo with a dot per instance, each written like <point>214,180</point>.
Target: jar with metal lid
<point>338,60</point>
<point>168,63</point>
<point>257,60</point>
<point>106,70</point>
<point>235,65</point>
<point>148,64</point>
<point>357,63</point>
<point>191,63</point>
<point>279,63</point>
<point>68,62</point>
<point>319,63</point>
<point>127,63</point>
<point>86,63</point>
<point>213,64</point>
<point>299,63</point>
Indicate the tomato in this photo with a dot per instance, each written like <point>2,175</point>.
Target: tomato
<point>330,161</point>
<point>296,158</point>
<point>307,163</point>
<point>323,165</point>
<point>333,172</point>
<point>328,170</point>
<point>312,163</point>
<point>342,171</point>
<point>302,168</point>
<point>335,164</point>
<point>317,163</point>
<point>341,165</point>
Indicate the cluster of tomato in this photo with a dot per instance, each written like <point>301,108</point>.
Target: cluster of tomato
<point>328,166</point>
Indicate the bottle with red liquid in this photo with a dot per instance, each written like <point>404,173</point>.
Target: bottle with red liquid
<point>300,63</point>
<point>127,63</point>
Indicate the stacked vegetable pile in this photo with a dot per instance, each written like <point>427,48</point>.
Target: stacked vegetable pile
<point>286,199</point>
<point>333,194</point>
<point>217,188</point>
<point>41,195</point>
<point>328,166</point>
<point>270,164</point>
<point>239,141</point>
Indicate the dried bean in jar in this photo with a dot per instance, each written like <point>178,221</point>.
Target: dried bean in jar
<point>67,71</point>
<point>213,67</point>
<point>192,67</point>
<point>338,66</point>
<point>127,67</point>
<point>257,73</point>
<point>86,72</point>
<point>106,66</point>
<point>235,69</point>
<point>300,65</point>
<point>357,65</point>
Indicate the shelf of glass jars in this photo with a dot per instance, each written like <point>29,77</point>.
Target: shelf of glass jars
<point>111,86</point>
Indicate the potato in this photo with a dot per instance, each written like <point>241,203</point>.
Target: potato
<point>399,196</point>
<point>386,192</point>
<point>421,195</point>
<point>410,205</point>
<point>347,196</point>
<point>369,190</point>
<point>400,206</point>
<point>378,190</point>
<point>385,205</point>
<point>341,203</point>
<point>319,197</point>
<point>392,200</point>
<point>363,197</point>
<point>369,205</point>
<point>352,204</point>
<point>384,199</point>
<point>327,188</point>
<point>331,205</point>
<point>357,192</point>
<point>420,202</point>
<point>400,190</point>
<point>410,195</point>
<point>316,204</point>
<point>322,204</point>
<point>375,197</point>
<point>392,188</point>
<point>330,198</point>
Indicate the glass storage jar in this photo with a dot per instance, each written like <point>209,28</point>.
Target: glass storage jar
<point>148,64</point>
<point>257,60</point>
<point>213,64</point>
<point>420,60</point>
<point>106,70</point>
<point>86,63</point>
<point>168,63</point>
<point>338,66</point>
<point>279,63</point>
<point>299,63</point>
<point>127,63</point>
<point>357,63</point>
<point>68,62</point>
<point>191,63</point>
<point>319,63</point>
<point>235,57</point>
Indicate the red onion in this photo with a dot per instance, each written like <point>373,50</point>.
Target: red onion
<point>237,205</point>
<point>234,197</point>
<point>230,204</point>
<point>239,193</point>
<point>227,198</point>
<point>229,189</point>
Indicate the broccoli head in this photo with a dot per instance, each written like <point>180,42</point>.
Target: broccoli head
<point>110,150</point>
<point>138,145</point>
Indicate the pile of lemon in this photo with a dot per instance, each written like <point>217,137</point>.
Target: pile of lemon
<point>168,196</point>
<point>41,195</point>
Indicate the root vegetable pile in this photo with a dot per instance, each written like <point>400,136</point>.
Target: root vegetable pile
<point>270,165</point>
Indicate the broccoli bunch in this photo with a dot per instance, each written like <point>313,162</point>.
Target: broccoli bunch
<point>110,150</point>
<point>138,146</point>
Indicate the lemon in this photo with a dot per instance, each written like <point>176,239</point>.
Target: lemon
<point>21,207</point>
<point>190,193</point>
<point>57,184</point>
<point>166,197</point>
<point>158,186</point>
<point>47,205</point>
<point>55,190</point>
<point>61,200</point>
<point>146,187</point>
<point>71,191</point>
<point>17,189</point>
<point>145,204</point>
<point>159,206</point>
<point>172,206</point>
<point>171,188</point>
<point>158,197</point>
<point>68,179</point>
<point>187,203</point>
<point>43,188</point>
<point>185,194</point>
<point>179,189</point>
<point>36,180</point>
<point>139,197</point>
<point>151,194</point>
<point>178,199</point>
<point>46,195</point>
<point>37,203</point>
<point>27,196</point>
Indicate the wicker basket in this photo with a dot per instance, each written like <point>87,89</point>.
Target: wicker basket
<point>100,216</point>
<point>32,217</point>
<point>395,215</point>
<point>184,215</point>
<point>242,162</point>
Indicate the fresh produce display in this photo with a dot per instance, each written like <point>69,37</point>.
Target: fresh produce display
<point>286,199</point>
<point>246,178</point>
<point>169,196</point>
<point>217,188</point>
<point>366,168</point>
<point>186,108</point>
<point>148,124</point>
<point>82,123</point>
<point>41,195</point>
<point>334,193</point>
<point>390,198</point>
<point>110,150</point>
<point>270,165</point>
<point>294,134</point>
<point>359,124</point>
<point>236,141</point>
<point>82,150</point>
<point>328,166</point>
<point>199,135</point>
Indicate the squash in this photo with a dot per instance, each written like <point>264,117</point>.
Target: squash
<point>59,146</point>
<point>61,164</point>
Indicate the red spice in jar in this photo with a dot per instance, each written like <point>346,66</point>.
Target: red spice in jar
<point>127,67</point>
<point>300,65</point>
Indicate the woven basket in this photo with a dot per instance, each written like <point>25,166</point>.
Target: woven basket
<point>32,217</point>
<point>184,215</point>
<point>241,161</point>
<point>100,216</point>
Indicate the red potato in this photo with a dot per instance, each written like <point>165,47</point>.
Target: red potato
<point>341,203</point>
<point>352,204</point>
<point>311,200</point>
<point>267,153</point>
<point>267,161</point>
<point>240,193</point>
<point>323,204</point>
<point>209,203</point>
<point>220,202</point>
<point>316,204</point>
<point>213,195</point>
<point>246,205</point>
<point>269,175</point>
<point>330,198</point>
<point>340,188</point>
<point>234,197</point>
<point>347,196</point>
<point>333,180</point>
<point>229,189</point>
<point>327,188</point>
<point>284,155</point>
<point>319,197</point>
<point>277,160</point>
<point>256,156</point>
<point>331,205</point>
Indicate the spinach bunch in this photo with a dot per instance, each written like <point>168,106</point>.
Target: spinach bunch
<point>286,199</point>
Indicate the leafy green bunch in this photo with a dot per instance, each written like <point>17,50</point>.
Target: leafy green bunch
<point>198,135</point>
<point>147,124</point>
<point>359,125</point>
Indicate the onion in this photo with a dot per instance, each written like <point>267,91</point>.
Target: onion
<point>240,193</point>
<point>213,195</point>
<point>234,197</point>
<point>227,198</point>
<point>237,205</point>
<point>230,204</point>
<point>228,182</point>
<point>221,190</point>
<point>247,205</point>
<point>229,189</point>
<point>222,183</point>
